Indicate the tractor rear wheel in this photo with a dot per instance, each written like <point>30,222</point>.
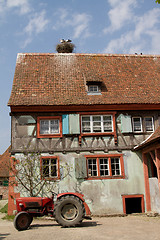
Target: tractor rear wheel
<point>69,211</point>
<point>22,221</point>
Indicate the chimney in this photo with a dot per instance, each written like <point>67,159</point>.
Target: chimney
<point>65,46</point>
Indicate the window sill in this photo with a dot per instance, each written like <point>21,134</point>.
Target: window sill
<point>141,133</point>
<point>98,133</point>
<point>51,178</point>
<point>106,177</point>
<point>92,93</point>
<point>49,136</point>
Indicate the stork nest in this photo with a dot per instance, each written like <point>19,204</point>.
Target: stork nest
<point>65,47</point>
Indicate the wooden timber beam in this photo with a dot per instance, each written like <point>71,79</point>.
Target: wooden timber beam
<point>153,158</point>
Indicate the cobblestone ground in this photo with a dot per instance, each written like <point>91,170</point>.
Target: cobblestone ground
<point>111,228</point>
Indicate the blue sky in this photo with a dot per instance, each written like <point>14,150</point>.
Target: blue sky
<point>104,26</point>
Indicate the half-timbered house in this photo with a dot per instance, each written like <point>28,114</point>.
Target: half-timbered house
<point>85,114</point>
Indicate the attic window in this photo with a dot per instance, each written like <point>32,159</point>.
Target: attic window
<point>93,88</point>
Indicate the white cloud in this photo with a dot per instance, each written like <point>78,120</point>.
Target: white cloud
<point>143,36</point>
<point>120,14</point>
<point>123,44</point>
<point>23,5</point>
<point>78,21</point>
<point>81,24</point>
<point>1,6</point>
<point>147,21</point>
<point>155,46</point>
<point>63,14</point>
<point>27,41</point>
<point>37,20</point>
<point>37,23</point>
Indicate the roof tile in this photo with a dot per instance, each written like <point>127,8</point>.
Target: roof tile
<point>60,79</point>
<point>4,163</point>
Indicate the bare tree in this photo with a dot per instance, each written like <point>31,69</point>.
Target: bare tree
<point>26,174</point>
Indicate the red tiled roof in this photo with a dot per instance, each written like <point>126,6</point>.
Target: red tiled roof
<point>4,163</point>
<point>60,79</point>
<point>155,136</point>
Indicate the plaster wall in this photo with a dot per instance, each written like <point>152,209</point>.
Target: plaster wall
<point>3,192</point>
<point>105,196</point>
<point>154,194</point>
<point>102,196</point>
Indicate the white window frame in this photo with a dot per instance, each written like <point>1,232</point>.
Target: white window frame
<point>49,131</point>
<point>91,170</point>
<point>115,166</point>
<point>143,124</point>
<point>104,166</point>
<point>93,88</point>
<point>152,124</point>
<point>134,124</point>
<point>92,121</point>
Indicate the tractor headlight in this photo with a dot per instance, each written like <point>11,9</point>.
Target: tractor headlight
<point>21,205</point>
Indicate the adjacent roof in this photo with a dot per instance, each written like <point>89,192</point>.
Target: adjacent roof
<point>60,79</point>
<point>4,163</point>
<point>155,136</point>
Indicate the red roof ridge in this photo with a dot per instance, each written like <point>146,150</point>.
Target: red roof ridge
<point>89,54</point>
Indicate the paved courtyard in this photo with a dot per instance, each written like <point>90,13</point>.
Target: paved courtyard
<point>111,228</point>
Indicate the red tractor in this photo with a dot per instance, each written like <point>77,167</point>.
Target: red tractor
<point>69,209</point>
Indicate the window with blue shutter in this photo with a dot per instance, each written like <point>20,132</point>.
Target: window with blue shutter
<point>70,124</point>
<point>65,124</point>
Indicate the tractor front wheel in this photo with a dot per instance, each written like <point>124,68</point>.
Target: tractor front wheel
<point>22,221</point>
<point>69,211</point>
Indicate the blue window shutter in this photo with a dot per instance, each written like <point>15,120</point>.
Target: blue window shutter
<point>65,124</point>
<point>126,124</point>
<point>74,125</point>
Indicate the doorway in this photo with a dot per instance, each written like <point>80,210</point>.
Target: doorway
<point>133,204</point>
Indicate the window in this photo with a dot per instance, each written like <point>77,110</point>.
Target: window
<point>50,167</point>
<point>49,126</point>
<point>105,166</point>
<point>145,124</point>
<point>97,124</point>
<point>137,124</point>
<point>148,121</point>
<point>93,88</point>
<point>4,183</point>
<point>26,119</point>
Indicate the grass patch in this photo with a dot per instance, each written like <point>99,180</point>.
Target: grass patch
<point>9,218</point>
<point>4,209</point>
